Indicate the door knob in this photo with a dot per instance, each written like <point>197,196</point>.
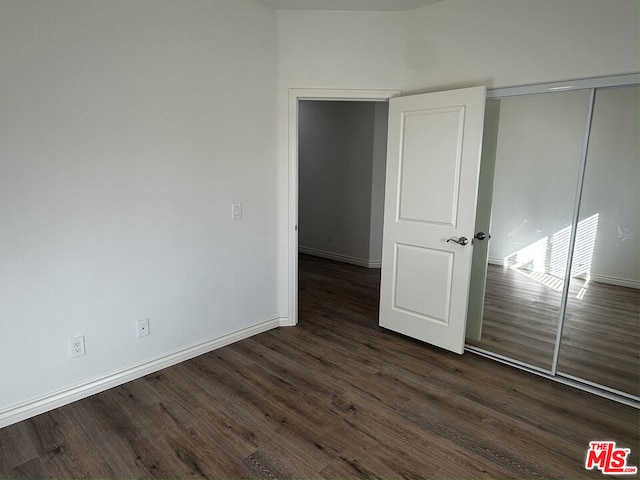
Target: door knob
<point>459,241</point>
<point>481,236</point>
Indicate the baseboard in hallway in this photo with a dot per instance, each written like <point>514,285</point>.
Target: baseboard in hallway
<point>360,262</point>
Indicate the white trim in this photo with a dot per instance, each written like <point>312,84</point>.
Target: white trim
<point>286,322</point>
<point>573,234</point>
<point>295,95</point>
<point>338,257</point>
<point>618,282</point>
<point>22,411</point>
<point>495,261</point>
<point>578,84</point>
<point>565,379</point>
<point>350,95</point>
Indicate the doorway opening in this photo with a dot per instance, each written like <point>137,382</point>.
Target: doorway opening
<point>342,148</point>
<point>341,159</point>
<point>349,246</point>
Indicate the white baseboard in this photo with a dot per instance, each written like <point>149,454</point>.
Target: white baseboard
<point>17,413</point>
<point>495,261</point>
<point>618,282</point>
<point>285,321</point>
<point>361,262</point>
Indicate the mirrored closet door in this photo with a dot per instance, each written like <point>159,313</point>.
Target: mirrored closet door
<point>600,336</point>
<point>559,193</point>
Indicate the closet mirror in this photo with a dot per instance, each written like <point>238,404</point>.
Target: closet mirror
<point>536,163</point>
<point>600,336</point>
<point>558,191</point>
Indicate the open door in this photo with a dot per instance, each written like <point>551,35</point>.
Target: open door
<point>433,160</point>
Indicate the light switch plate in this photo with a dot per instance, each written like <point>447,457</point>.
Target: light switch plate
<point>236,211</point>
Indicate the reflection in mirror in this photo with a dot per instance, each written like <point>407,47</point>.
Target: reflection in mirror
<point>600,337</point>
<point>479,265</point>
<point>537,160</point>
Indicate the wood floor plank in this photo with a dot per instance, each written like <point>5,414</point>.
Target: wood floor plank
<point>174,428</point>
<point>65,451</point>
<point>16,447</point>
<point>30,469</point>
<point>412,443</point>
<point>113,435</point>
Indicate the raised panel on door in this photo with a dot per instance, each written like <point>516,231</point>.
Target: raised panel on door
<point>416,267</point>
<point>438,133</point>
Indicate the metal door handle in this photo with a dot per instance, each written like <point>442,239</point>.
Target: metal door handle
<point>459,241</point>
<point>481,236</point>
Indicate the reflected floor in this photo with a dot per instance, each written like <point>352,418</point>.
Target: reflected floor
<point>601,334</point>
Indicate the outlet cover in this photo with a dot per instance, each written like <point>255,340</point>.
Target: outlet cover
<point>76,347</point>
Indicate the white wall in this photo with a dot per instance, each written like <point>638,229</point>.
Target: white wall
<point>513,42</point>
<point>335,156</point>
<point>448,44</point>
<point>538,155</point>
<point>611,187</point>
<point>127,129</point>
<point>339,148</point>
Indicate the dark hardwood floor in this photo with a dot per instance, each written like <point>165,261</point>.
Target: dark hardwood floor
<point>335,397</point>
<point>601,333</point>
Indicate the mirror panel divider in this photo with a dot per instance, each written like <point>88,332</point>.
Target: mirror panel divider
<point>574,232</point>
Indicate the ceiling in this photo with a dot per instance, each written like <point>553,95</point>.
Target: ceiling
<point>363,5</point>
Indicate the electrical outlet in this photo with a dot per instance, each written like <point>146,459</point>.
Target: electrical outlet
<point>142,327</point>
<point>76,347</point>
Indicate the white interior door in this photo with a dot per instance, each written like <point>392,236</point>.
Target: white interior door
<point>433,159</point>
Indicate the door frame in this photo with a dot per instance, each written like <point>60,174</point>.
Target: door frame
<point>295,95</point>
